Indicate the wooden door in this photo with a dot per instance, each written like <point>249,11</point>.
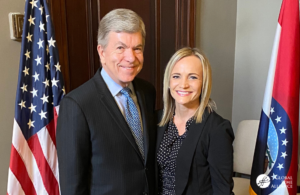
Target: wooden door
<point>170,24</point>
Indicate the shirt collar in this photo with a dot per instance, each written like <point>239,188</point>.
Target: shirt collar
<point>114,87</point>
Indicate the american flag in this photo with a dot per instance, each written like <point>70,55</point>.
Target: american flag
<point>276,154</point>
<point>33,168</point>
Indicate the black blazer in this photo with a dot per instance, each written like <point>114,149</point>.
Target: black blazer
<point>204,164</point>
<point>97,153</point>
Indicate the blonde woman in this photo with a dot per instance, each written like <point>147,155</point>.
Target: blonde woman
<point>194,146</point>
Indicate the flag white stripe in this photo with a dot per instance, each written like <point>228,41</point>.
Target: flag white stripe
<point>13,185</point>
<point>282,190</point>
<point>49,150</point>
<point>270,80</point>
<point>25,153</point>
<point>57,109</point>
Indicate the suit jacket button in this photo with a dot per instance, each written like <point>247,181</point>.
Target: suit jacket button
<point>146,169</point>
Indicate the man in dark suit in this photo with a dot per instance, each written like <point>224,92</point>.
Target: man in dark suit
<point>106,130</point>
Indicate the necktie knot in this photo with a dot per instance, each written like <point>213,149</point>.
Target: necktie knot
<point>125,91</point>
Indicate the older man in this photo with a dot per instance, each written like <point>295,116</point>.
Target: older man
<point>106,128</point>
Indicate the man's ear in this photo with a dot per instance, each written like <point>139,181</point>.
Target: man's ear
<point>101,53</point>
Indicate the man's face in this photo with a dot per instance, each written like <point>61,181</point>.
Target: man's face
<point>122,58</point>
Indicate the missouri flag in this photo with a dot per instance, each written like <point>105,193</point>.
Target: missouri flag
<point>274,169</point>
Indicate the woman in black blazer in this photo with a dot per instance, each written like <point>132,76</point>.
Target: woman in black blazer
<point>194,146</point>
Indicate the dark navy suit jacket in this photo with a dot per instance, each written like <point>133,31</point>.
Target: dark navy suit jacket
<point>97,153</point>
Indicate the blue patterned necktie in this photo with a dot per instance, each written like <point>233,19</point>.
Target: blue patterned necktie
<point>133,119</point>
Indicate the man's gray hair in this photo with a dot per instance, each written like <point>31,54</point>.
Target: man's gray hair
<point>120,20</point>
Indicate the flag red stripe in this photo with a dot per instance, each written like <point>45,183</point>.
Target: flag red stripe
<point>48,177</point>
<point>286,82</point>
<point>55,123</point>
<point>281,12</point>
<point>18,168</point>
<point>51,127</point>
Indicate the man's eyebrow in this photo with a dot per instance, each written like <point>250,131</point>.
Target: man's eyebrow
<point>124,45</point>
<point>139,45</point>
<point>121,43</point>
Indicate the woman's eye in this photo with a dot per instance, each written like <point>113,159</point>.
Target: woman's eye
<point>175,77</point>
<point>193,77</point>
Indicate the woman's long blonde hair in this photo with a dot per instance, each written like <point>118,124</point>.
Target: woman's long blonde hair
<point>205,101</point>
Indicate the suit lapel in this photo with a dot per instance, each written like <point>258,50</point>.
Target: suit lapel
<point>109,103</point>
<point>186,154</point>
<point>144,115</point>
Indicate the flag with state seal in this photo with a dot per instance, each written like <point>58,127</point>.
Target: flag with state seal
<point>275,161</point>
<point>33,168</point>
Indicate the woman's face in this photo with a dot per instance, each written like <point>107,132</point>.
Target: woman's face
<point>186,82</point>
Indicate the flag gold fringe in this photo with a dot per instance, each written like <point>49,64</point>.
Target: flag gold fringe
<point>251,192</point>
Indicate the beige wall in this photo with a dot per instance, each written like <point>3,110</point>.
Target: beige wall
<point>255,33</point>
<point>215,35</point>
<point>237,36</point>
<point>9,60</point>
